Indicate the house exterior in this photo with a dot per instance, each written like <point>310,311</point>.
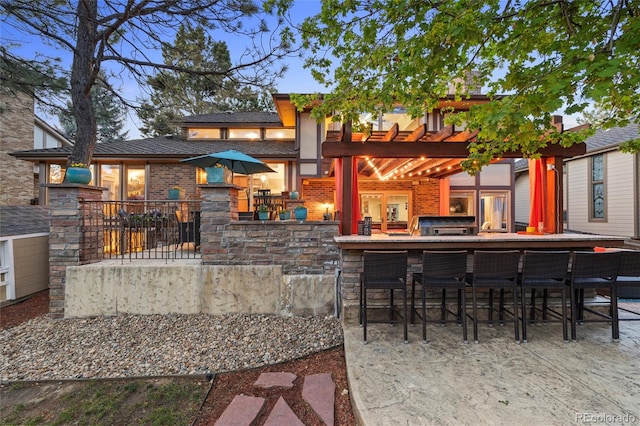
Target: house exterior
<point>391,191</point>
<point>602,187</point>
<point>24,251</point>
<point>21,129</point>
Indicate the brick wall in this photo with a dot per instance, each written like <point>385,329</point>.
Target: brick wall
<point>16,134</point>
<point>164,176</point>
<point>425,194</point>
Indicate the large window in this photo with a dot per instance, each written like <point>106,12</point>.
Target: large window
<point>110,179</point>
<point>598,201</point>
<point>136,187</point>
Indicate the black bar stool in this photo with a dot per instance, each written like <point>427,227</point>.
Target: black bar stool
<point>544,270</point>
<point>384,270</point>
<point>443,270</point>
<point>593,270</point>
<point>495,270</point>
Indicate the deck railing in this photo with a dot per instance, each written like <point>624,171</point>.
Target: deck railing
<point>162,229</point>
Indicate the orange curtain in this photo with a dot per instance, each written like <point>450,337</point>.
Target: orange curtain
<point>337,170</point>
<point>536,192</point>
<point>355,198</point>
<point>444,197</point>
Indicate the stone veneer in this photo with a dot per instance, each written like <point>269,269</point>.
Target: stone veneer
<point>16,134</point>
<point>65,236</point>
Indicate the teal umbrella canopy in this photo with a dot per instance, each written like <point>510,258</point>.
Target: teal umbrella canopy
<point>233,160</point>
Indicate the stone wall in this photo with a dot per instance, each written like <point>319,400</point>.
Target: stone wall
<point>16,134</point>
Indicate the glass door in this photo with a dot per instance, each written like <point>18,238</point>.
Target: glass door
<point>494,211</point>
<point>388,210</point>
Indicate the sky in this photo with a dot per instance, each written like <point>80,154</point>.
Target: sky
<point>296,80</point>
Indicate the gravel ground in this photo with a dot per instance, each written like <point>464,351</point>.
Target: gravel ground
<point>155,345</point>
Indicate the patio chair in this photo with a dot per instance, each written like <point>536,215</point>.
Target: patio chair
<point>495,270</point>
<point>544,270</point>
<point>442,270</point>
<point>593,270</point>
<point>186,230</point>
<point>384,270</point>
<point>628,282</point>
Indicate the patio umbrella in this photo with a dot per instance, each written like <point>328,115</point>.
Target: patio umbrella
<point>233,160</point>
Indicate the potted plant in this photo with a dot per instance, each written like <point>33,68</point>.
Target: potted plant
<point>174,193</point>
<point>300,213</point>
<point>215,174</point>
<point>263,212</point>
<point>78,173</point>
<point>285,214</point>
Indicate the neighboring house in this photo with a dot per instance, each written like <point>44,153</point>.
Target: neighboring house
<point>20,129</point>
<point>601,188</point>
<point>391,190</point>
<point>24,251</point>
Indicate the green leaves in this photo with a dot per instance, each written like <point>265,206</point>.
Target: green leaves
<point>549,58</point>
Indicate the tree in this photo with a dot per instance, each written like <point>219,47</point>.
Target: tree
<point>176,94</point>
<point>124,34</point>
<point>534,58</point>
<point>110,119</point>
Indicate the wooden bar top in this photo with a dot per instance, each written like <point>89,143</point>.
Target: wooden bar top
<point>484,240</point>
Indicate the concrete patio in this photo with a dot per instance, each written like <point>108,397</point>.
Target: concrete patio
<point>497,381</point>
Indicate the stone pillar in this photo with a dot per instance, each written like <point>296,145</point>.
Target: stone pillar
<point>219,208</point>
<point>65,236</point>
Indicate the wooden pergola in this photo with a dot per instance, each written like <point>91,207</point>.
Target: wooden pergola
<point>424,154</point>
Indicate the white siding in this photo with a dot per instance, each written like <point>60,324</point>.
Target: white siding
<point>522,198</point>
<point>621,203</point>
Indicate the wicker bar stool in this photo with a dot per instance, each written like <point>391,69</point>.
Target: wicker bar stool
<point>593,270</point>
<point>442,270</point>
<point>495,270</point>
<point>384,270</point>
<point>544,270</point>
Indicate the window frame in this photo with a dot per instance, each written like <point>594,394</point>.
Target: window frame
<point>592,185</point>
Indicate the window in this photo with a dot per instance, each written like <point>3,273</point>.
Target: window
<point>55,173</point>
<point>110,179</point>
<point>135,183</point>
<point>200,133</point>
<point>494,209</point>
<point>598,205</point>
<point>280,134</point>
<point>244,134</point>
<point>388,210</point>
<point>461,203</point>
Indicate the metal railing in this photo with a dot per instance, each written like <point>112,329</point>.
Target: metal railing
<point>140,230</point>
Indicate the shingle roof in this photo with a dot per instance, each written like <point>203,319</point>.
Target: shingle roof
<point>611,137</point>
<point>22,220</point>
<point>168,147</point>
<point>251,118</point>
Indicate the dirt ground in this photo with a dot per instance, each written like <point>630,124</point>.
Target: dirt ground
<point>50,397</point>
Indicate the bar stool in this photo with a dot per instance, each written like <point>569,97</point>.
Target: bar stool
<point>593,270</point>
<point>495,270</point>
<point>384,270</point>
<point>544,270</point>
<point>629,280</point>
<point>442,270</point>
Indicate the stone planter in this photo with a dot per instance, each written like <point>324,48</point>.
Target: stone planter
<point>78,175</point>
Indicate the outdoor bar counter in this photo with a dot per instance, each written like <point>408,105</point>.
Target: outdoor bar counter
<point>353,246</point>
<point>481,241</point>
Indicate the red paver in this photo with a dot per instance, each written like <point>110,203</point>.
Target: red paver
<point>242,411</point>
<point>270,380</point>
<point>282,415</point>
<point>319,391</point>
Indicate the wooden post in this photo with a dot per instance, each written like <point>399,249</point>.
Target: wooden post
<point>553,218</point>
